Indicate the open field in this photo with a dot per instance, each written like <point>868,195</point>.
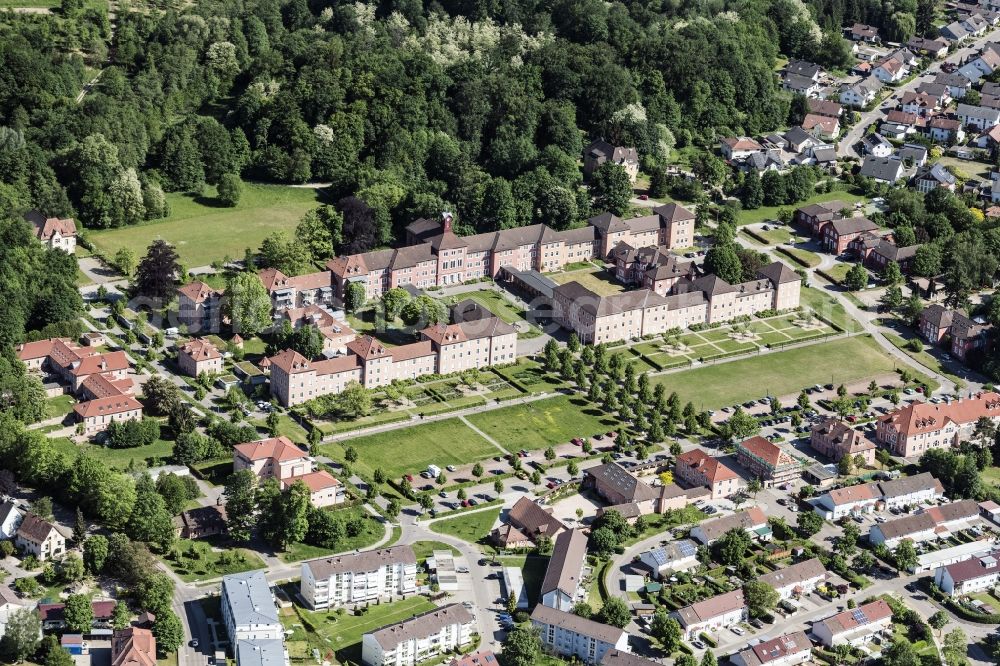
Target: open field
<point>598,280</point>
<point>541,424</point>
<point>61,405</point>
<point>198,560</point>
<point>967,169</point>
<point>470,526</point>
<point>924,358</point>
<point>156,453</point>
<point>203,231</point>
<point>342,632</point>
<point>779,373</point>
<point>826,306</point>
<point>771,212</point>
<point>411,450</point>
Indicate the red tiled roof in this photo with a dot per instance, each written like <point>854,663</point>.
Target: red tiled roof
<point>411,351</point>
<point>337,364</point>
<point>198,291</point>
<point>766,451</point>
<point>288,361</point>
<point>711,468</point>
<point>851,619</point>
<point>279,448</point>
<point>315,481</point>
<point>445,334</point>
<point>200,349</point>
<point>98,363</point>
<point>311,280</point>
<point>920,417</point>
<point>111,405</point>
<point>858,493</point>
<point>367,347</point>
<point>273,279</point>
<point>133,647</point>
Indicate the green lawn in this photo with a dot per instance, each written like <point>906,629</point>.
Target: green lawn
<point>771,212</point>
<point>341,633</point>
<point>198,560</point>
<point>780,373</point>
<point>544,423</point>
<point>203,232</point>
<point>532,571</point>
<point>531,375</point>
<point>287,427</point>
<point>424,549</point>
<point>494,302</point>
<point>411,450</point>
<point>372,530</point>
<point>471,527</point>
<point>803,257</point>
<point>61,405</point>
<point>839,271</point>
<point>829,308</point>
<point>598,280</point>
<point>158,452</point>
<point>922,357</point>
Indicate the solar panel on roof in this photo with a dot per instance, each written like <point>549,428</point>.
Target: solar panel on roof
<point>687,548</point>
<point>859,616</point>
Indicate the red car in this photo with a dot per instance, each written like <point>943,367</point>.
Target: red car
<point>409,477</point>
<point>611,434</point>
<point>852,418</point>
<point>550,485</point>
<point>465,502</point>
<point>577,441</point>
<point>643,197</point>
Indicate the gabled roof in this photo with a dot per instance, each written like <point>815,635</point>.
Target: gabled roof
<point>420,626</point>
<point>621,481</point>
<point>778,273</point>
<point>795,574</point>
<point>853,225</point>
<point>851,494</point>
<point>673,212</point>
<point>858,617</point>
<point>887,169</point>
<point>920,417</point>
<point>46,227</point>
<point>711,608</point>
<point>712,468</point>
<point>566,563</point>
<point>289,362</point>
<point>578,625</point>
<point>200,349</point>
<point>747,519</point>
<point>739,143</point>
<point>198,291</point>
<point>824,107</point>
<point>977,566</point>
<point>105,406</point>
<point>133,647</point>
<point>367,347</point>
<point>35,529</point>
<point>776,649</point>
<point>766,451</point>
<point>360,562</point>
<point>533,519</point>
<point>249,597</point>
<point>937,173</point>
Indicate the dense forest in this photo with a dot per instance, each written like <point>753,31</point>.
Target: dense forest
<point>482,108</point>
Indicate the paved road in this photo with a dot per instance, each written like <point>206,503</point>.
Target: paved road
<point>846,146</point>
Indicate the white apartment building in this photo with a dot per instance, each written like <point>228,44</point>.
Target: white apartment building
<point>570,635</point>
<point>359,577</point>
<point>855,626</point>
<point>797,579</point>
<point>561,587</point>
<point>713,613</point>
<point>975,574</point>
<point>248,608</point>
<point>419,638</point>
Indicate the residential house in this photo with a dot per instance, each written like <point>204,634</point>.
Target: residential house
<point>882,169</point>
<point>801,85</point>
<point>921,104</point>
<point>572,636</point>
<point>652,267</point>
<point>202,522</point>
<point>814,216</point>
<point>910,490</point>
<point>861,94</point>
<point>876,145</point>
<point>890,70</point>
<point>97,415</point>
<point>954,32</point>
<point>934,323</point>
<point>824,107</point>
<point>932,48</point>
<point>359,578</point>
<point>939,90</point>
<point>621,489</point>
<point>877,252</point>
<point>10,519</point>
<point>619,658</point>
<point>927,524</point>
<point>9,602</point>
<point>337,335</point>
<point>133,646</point>
<point>823,127</point>
<point>738,147</point>
<point>752,520</point>
<point>835,439</point>
<point>562,585</point>
<point>852,500</point>
<point>199,355</point>
<point>477,658</point>
<point>810,70</point>
<point>418,638</point>
<point>40,538</point>
<point>967,335</point>
<point>786,650</point>
<point>600,151</point>
<point>669,558</point>
<point>53,232</point>
<point>990,139</point>
<point>945,130</point>
<point>248,610</point>
<point>199,307</point>
<point>979,117</point>
<point>697,468</point>
<point>278,458</point>
<point>859,32</point>
<point>985,64</point>
<point>526,522</point>
<point>767,461</point>
<point>837,235</point>
<point>856,626</point>
<point>796,579</point>
<point>711,614</point>
<point>297,291</point>
<point>921,426</point>
<point>799,140</point>
<point>956,83</point>
<point>53,615</point>
<point>975,574</point>
<point>913,154</point>
<point>898,124</point>
<point>932,177</point>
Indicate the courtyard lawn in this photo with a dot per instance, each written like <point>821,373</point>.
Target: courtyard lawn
<point>61,405</point>
<point>203,231</point>
<point>839,271</point>
<point>411,450</point>
<point>924,358</point>
<point>598,280</point>
<point>827,307</point>
<point>372,531</point>
<point>202,559</point>
<point>470,526</point>
<point>494,302</point>
<point>531,376</point>
<point>342,632</point>
<point>544,423</point>
<point>779,373</point>
<point>771,212</point>
<point>802,257</point>
<point>287,427</point>
<point>967,169</point>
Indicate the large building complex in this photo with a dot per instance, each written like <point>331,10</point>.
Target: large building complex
<point>362,577</point>
<point>442,349</point>
<point>921,426</point>
<point>705,300</point>
<point>278,458</point>
<point>767,461</point>
<point>419,638</point>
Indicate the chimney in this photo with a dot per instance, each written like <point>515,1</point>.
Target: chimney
<point>446,218</point>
